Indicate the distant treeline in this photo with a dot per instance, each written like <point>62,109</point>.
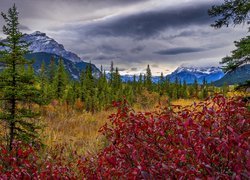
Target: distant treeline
<point>96,93</point>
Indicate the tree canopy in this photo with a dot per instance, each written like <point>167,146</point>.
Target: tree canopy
<point>17,84</point>
<point>233,12</point>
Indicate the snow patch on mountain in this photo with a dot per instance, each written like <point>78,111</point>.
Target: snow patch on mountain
<point>194,69</point>
<point>40,42</point>
<point>191,73</point>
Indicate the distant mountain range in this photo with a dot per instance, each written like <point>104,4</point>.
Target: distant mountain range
<point>213,75</point>
<point>190,74</point>
<point>44,48</point>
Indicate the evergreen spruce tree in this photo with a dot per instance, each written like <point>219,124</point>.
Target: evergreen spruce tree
<point>60,80</point>
<point>184,90</point>
<point>102,91</point>
<point>161,85</point>
<point>52,69</point>
<point>240,56</point>
<point>101,70</point>
<point>144,80</point>
<point>17,84</point>
<point>196,88</point>
<point>117,83</point>
<point>233,12</point>
<point>111,72</point>
<point>148,78</point>
<point>88,90</point>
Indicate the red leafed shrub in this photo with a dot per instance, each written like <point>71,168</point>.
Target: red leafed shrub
<point>23,162</point>
<point>210,139</point>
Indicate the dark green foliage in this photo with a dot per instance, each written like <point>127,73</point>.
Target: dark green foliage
<point>17,84</point>
<point>111,72</point>
<point>239,56</point>
<point>97,93</point>
<point>52,60</point>
<point>52,69</point>
<point>235,12</point>
<point>148,78</point>
<point>60,80</point>
<point>88,89</point>
<point>231,11</point>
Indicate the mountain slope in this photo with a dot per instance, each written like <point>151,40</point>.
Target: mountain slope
<point>238,76</point>
<point>74,69</point>
<point>40,42</point>
<point>190,74</point>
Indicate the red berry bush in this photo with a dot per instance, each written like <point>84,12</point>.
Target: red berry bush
<point>209,139</point>
<point>23,162</point>
<point>205,140</point>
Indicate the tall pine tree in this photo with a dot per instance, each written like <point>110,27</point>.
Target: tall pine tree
<point>17,84</point>
<point>148,78</point>
<point>60,80</point>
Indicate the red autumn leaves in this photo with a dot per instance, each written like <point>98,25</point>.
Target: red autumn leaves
<point>209,139</point>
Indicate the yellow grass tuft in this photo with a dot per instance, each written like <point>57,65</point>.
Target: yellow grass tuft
<point>73,130</point>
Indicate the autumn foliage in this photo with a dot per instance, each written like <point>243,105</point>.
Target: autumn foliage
<point>210,139</point>
<point>24,162</point>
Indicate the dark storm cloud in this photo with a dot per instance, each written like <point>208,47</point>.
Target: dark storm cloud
<point>105,57</point>
<point>137,49</point>
<point>147,24</point>
<point>107,2</point>
<point>131,33</point>
<point>180,50</point>
<point>113,2</point>
<point>109,48</point>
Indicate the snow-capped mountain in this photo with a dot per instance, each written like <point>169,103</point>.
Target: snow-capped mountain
<point>187,73</point>
<point>40,42</point>
<point>191,73</point>
<point>44,48</point>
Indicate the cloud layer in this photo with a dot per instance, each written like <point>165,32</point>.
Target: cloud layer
<point>132,33</point>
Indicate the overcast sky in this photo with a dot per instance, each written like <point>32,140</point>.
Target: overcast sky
<point>132,33</point>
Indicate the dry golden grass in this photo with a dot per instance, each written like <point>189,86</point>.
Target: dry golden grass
<point>78,130</point>
<point>237,93</point>
<point>73,130</point>
<point>185,102</point>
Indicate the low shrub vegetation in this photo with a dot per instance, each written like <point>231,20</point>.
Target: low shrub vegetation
<point>208,139</point>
